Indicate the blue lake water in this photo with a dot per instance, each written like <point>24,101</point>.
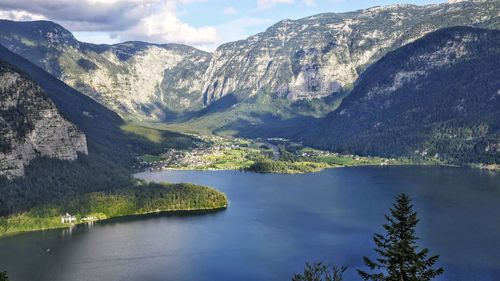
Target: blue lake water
<point>274,224</point>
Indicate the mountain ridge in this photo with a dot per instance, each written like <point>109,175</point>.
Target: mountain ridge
<point>324,57</point>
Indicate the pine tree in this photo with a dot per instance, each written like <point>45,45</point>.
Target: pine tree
<point>320,272</point>
<point>3,276</point>
<point>399,258</point>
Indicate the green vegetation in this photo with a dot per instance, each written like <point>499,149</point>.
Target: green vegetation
<point>150,158</point>
<point>28,42</point>
<point>269,166</point>
<point>3,276</point>
<point>140,199</point>
<point>397,249</point>
<point>295,158</point>
<point>449,115</point>
<point>148,133</point>
<point>113,147</point>
<point>29,203</point>
<point>398,258</point>
<point>263,156</point>
<point>256,116</point>
<point>233,159</point>
<point>320,272</point>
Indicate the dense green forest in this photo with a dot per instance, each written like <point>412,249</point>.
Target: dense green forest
<point>139,199</point>
<point>270,166</point>
<point>436,97</point>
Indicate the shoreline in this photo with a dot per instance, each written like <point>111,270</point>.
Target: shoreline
<point>309,172</point>
<point>189,211</point>
<point>141,199</point>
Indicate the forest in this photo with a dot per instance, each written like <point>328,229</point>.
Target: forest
<point>142,198</point>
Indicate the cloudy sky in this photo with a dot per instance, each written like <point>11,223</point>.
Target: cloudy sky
<point>201,23</point>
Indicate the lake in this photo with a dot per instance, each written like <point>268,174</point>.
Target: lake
<point>274,224</point>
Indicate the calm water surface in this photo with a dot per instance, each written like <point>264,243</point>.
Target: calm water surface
<point>273,225</point>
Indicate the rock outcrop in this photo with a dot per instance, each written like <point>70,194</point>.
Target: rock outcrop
<point>31,126</point>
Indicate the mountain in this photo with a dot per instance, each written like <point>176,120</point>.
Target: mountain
<point>437,97</point>
<point>44,117</point>
<point>295,68</point>
<point>132,78</point>
<point>100,125</point>
<point>31,126</point>
<point>324,54</point>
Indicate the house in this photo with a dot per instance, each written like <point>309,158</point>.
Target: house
<point>68,218</point>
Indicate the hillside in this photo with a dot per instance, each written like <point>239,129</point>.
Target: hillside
<point>37,110</point>
<point>436,97</point>
<point>102,126</point>
<point>31,126</point>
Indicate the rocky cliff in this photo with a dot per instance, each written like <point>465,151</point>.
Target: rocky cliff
<point>31,126</point>
<point>133,78</point>
<point>292,60</point>
<point>323,54</point>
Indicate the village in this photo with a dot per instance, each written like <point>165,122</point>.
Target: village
<point>220,153</point>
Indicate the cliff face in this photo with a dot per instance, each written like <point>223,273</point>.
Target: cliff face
<point>31,126</point>
<point>293,60</point>
<point>139,79</point>
<point>133,78</point>
<point>323,54</point>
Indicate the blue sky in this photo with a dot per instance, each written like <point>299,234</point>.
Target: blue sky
<point>201,23</point>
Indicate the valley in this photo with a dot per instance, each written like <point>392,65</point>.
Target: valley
<point>271,155</point>
<point>244,158</point>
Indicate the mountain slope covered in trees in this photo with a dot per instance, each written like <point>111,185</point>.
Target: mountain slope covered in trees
<point>436,97</point>
<point>111,150</point>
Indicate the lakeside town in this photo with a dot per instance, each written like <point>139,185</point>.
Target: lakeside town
<point>222,153</point>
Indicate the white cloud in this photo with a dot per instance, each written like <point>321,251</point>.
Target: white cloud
<point>164,26</point>
<point>149,20</point>
<point>266,4</point>
<point>19,15</point>
<point>230,11</point>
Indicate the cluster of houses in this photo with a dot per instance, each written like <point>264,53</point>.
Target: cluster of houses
<point>67,218</point>
<point>174,158</point>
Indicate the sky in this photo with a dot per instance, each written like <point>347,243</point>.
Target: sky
<point>201,23</point>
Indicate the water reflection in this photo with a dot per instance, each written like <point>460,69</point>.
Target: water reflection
<point>66,233</point>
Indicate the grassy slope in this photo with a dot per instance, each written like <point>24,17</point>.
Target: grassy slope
<point>257,116</point>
